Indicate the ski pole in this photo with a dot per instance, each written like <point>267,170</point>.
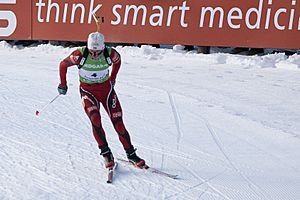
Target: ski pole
<point>45,106</point>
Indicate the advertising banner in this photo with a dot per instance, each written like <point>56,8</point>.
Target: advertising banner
<point>241,23</point>
<point>15,19</point>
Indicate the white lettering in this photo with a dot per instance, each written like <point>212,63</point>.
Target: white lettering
<point>12,23</point>
<point>252,17</point>
<point>93,10</point>
<point>10,17</point>
<point>268,15</point>
<point>291,19</point>
<point>212,16</point>
<point>159,15</point>
<point>40,4</point>
<point>55,7</point>
<point>268,18</point>
<point>231,17</point>
<point>92,66</point>
<point>156,18</point>
<point>292,16</point>
<point>276,21</point>
<point>50,6</point>
<point>114,102</point>
<point>183,8</point>
<point>75,6</point>
<point>115,12</point>
<point>65,13</point>
<point>258,13</point>
<point>171,10</point>
<point>8,1</point>
<point>135,15</point>
<point>117,114</point>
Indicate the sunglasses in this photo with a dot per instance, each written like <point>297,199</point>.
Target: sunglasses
<point>95,53</point>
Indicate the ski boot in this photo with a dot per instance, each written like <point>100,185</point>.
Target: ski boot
<point>108,157</point>
<point>134,159</point>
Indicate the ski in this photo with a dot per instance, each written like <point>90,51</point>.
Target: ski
<point>110,173</point>
<point>150,169</point>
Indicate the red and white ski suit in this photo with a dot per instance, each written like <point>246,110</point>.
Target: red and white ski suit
<point>92,95</point>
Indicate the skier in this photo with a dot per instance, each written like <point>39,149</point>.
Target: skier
<point>97,86</point>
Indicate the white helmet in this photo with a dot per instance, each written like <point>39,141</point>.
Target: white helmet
<point>95,41</point>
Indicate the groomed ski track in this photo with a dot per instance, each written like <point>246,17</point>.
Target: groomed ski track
<point>227,125</point>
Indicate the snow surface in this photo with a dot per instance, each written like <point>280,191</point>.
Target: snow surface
<point>228,125</point>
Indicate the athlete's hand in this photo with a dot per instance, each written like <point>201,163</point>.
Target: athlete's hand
<point>62,90</point>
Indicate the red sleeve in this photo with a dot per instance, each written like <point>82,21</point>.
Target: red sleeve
<point>73,59</point>
<point>116,60</point>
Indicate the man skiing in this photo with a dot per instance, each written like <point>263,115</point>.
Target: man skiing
<point>97,86</point>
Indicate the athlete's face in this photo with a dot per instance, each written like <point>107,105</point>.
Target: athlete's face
<point>95,54</point>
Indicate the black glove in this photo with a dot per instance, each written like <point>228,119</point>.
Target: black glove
<point>62,90</point>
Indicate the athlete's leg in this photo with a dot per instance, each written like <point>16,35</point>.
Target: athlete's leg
<point>114,110</point>
<point>92,109</point>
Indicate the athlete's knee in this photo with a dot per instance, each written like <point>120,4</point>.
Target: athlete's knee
<point>96,119</point>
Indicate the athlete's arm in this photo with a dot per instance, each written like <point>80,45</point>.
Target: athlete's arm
<point>73,59</point>
<point>116,60</point>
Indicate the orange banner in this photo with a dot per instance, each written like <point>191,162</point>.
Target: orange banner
<point>242,23</point>
<point>15,19</point>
